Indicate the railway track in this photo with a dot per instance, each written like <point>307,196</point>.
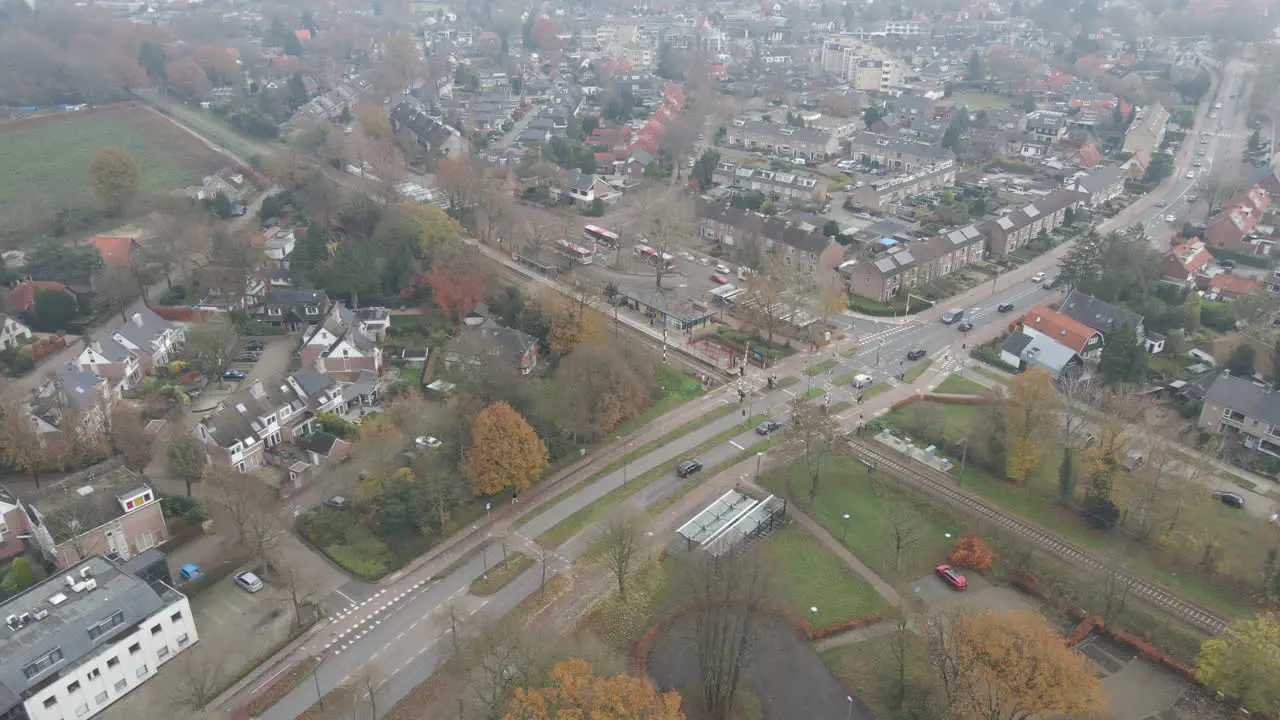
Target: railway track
<point>673,353</point>
<point>1156,595</point>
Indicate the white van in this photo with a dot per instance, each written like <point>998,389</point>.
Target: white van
<point>860,381</point>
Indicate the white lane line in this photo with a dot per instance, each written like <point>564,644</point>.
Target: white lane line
<point>736,445</point>
<point>268,680</point>
<point>348,597</point>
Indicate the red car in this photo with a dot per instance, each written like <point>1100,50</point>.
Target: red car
<point>951,577</point>
<point>719,279</point>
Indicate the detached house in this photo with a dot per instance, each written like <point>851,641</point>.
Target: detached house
<point>1184,262</point>
<point>345,341</point>
<point>1240,407</point>
<point>127,353</point>
<point>1066,331</point>
<point>291,309</point>
<point>13,334</point>
<point>73,392</point>
<point>1228,229</point>
<point>1012,231</point>
<point>583,189</point>
<point>1099,315</point>
<point>242,428</point>
<point>483,341</point>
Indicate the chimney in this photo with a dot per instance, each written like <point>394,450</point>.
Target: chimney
<point>137,319</point>
<point>257,389</point>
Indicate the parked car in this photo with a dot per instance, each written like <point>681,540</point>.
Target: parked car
<point>688,467</point>
<point>718,279</point>
<point>248,581</point>
<point>723,269</point>
<point>233,375</point>
<point>951,577</point>
<point>426,442</point>
<point>337,502</point>
<point>190,572</point>
<point>1230,499</point>
<point>915,353</point>
<point>249,357</point>
<point>1005,307</point>
<point>255,345</point>
<point>767,427</point>
<point>1037,277</point>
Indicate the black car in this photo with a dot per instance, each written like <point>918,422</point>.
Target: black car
<point>688,467</point>
<point>767,427</point>
<point>965,326</point>
<point>256,345</point>
<point>915,353</point>
<point>1230,499</point>
<point>1005,307</point>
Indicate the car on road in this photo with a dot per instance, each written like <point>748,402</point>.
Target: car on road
<point>1162,203</point>
<point>1204,140</point>
<point>718,279</point>
<point>965,326</point>
<point>767,427</point>
<point>688,467</point>
<point>248,581</point>
<point>952,577</point>
<point>1004,307</point>
<point>337,502</point>
<point>1191,174</point>
<point>915,353</point>
<point>1197,163</point>
<point>233,375</point>
<point>724,269</point>
<point>1170,218</point>
<point>1037,277</point>
<point>1230,499</point>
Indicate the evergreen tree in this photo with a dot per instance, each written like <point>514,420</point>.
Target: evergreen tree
<point>976,71</point>
<point>1066,477</point>
<point>1083,263</point>
<point>1124,359</point>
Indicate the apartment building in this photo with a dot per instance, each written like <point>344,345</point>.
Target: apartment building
<point>903,266</point>
<point>244,427</point>
<point>1012,231</point>
<point>1241,407</point>
<point>77,642</point>
<point>884,195</point>
<point>792,186</point>
<point>783,140</point>
<point>865,66</point>
<point>895,153</point>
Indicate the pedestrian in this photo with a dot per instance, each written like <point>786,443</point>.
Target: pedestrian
<point>515,496</point>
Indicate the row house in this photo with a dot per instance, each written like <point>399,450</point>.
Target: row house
<point>242,428</point>
<point>1102,184</point>
<point>1010,232</point>
<point>904,266</point>
<point>884,195</point>
<point>1147,130</point>
<point>800,245</point>
<point>784,140</point>
<point>775,184</point>
<point>103,510</point>
<point>1229,229</point>
<point>346,341</point>
<point>125,354</point>
<point>894,153</point>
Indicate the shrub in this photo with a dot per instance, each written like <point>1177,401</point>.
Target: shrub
<point>1101,512</point>
<point>181,506</point>
<point>356,562</point>
<point>19,577</point>
<point>335,424</point>
<point>971,551</point>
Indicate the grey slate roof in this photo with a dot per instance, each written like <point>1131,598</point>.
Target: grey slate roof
<point>312,382</point>
<point>141,328</point>
<point>1016,343</point>
<point>66,627</point>
<point>1244,396</point>
<point>1048,353</point>
<point>1101,316</point>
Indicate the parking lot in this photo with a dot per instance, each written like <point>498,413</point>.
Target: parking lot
<point>264,358</point>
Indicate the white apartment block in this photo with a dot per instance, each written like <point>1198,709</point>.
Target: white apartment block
<point>84,638</point>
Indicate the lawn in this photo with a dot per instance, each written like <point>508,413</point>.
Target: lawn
<point>820,367</point>
<point>957,385</point>
<point>808,575</point>
<point>875,390</point>
<point>870,668</point>
<point>501,574</point>
<point>47,165</point>
<point>849,352</point>
<point>1001,378</point>
<point>674,389</point>
<point>975,100</point>
<point>916,370</point>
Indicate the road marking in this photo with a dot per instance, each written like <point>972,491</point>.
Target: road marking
<point>348,597</point>
<point>736,445</point>
<point>268,680</point>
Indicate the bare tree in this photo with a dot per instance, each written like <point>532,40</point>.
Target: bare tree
<point>817,432</point>
<point>115,288</point>
<point>727,594</point>
<point>1116,587</point>
<point>366,684</point>
<point>669,222</point>
<point>247,503</point>
<point>504,659</point>
<point>535,232</point>
<point>298,589</point>
<point>905,534</point>
<point>199,676</point>
<point>768,289</point>
<point>900,651</point>
<point>212,346</point>
<point>70,521</point>
<point>618,541</point>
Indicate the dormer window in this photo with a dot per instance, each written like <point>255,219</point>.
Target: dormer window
<point>274,311</point>
<point>313,311</point>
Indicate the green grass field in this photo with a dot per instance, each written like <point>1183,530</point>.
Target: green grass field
<point>808,576</point>
<point>957,385</point>
<point>48,164</point>
<point>917,370</point>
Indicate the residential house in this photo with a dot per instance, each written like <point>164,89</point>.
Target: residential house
<point>797,244</point>
<point>483,340</point>
<point>22,297</point>
<point>75,643</point>
<point>1146,132</point>
<point>115,251</point>
<point>895,153</point>
<point>1063,329</point>
<point>1228,229</point>
<point>1136,166</point>
<point>902,266</point>
<point>584,188</point>
<point>1184,262</point>
<point>1017,228</point>
<point>291,309</point>
<point>342,343</point>
<point>13,515</point>
<point>794,186</point>
<point>884,195</point>
<point>104,510</point>
<point>277,245</point>
<point>1022,350</point>
<point>784,140</point>
<point>244,427</point>
<point>76,392</point>
<point>1102,184</point>
<point>1085,157</point>
<point>427,133</point>
<point>1228,286</point>
<point>128,352</point>
<point>1248,410</point>
<point>13,334</point>
<point>1100,315</point>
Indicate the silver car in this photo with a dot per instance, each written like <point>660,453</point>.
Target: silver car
<point>248,581</point>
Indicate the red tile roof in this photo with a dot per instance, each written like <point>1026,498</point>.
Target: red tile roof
<point>1192,257</point>
<point>1227,284</point>
<point>23,295</point>
<point>1065,330</point>
<point>114,250</point>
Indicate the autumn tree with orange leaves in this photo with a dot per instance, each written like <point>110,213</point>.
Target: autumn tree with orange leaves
<point>579,693</point>
<point>505,452</point>
<point>600,384</point>
<point>1011,665</point>
<point>1029,412</point>
<point>457,282</point>
<point>971,551</point>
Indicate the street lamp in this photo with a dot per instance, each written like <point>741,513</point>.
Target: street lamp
<point>316,677</point>
<point>844,529</point>
<point>758,456</point>
<point>850,699</point>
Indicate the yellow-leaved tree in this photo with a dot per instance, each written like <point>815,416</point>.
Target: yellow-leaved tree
<point>505,452</point>
<point>1028,414</point>
<point>114,176</point>
<point>1244,663</point>
<point>1013,665</point>
<point>579,693</point>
